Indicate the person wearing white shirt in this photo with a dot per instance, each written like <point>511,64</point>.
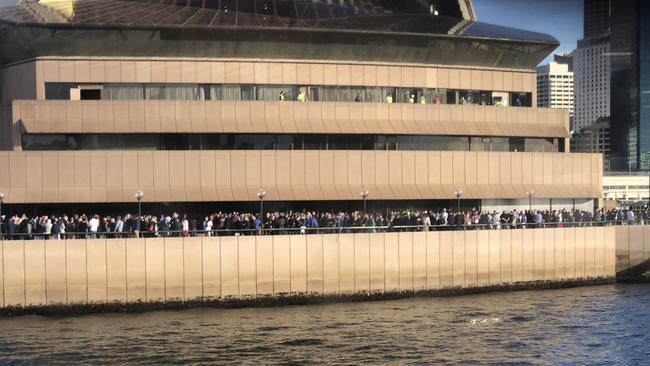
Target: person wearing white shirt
<point>93,226</point>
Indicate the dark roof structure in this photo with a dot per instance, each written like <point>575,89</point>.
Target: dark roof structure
<point>311,25</point>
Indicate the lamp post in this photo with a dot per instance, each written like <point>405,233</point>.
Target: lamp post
<point>605,194</point>
<point>2,198</point>
<point>261,194</point>
<point>139,194</point>
<point>530,194</point>
<point>364,194</point>
<point>458,194</point>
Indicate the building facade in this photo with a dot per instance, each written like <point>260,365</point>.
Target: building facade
<point>596,138</point>
<point>592,70</point>
<point>555,86</point>
<point>204,103</point>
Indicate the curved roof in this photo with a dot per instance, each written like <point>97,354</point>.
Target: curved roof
<point>455,17</point>
<point>401,31</point>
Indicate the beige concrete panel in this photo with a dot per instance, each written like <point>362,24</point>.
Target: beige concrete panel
<point>408,76</point>
<point>646,243</point>
<point>17,181</point>
<point>518,82</point>
<point>342,115</point>
<point>188,72</point>
<point>282,264</point>
<point>203,74</point>
<point>465,79</point>
<point>570,253</point>
<point>343,74</point>
<point>73,116</point>
<point>177,186</point>
<point>446,259</point>
<point>443,78</point>
<point>369,75</point>
<point>76,269</point>
<point>377,258</point>
<point>454,79</point>
<point>143,72</point>
<point>289,73</point>
<point>162,177</point>
<point>422,174</point>
<point>145,163</point>
<point>272,116</point>
<point>419,261</point>
<point>601,252</point>
<point>82,177</point>
<point>303,74</point>
<point>34,272</point>
<point>476,80</point>
<point>636,246</point>
<point>341,175</point>
<point>121,121</point>
<point>391,262</point>
<point>173,71</point>
<point>383,77</point>
<point>34,177</point>
<point>211,266</point>
<point>610,250</point>
<point>55,272</point>
<point>517,257</point>
<point>405,261</point>
<point>228,117</point>
<point>590,252</point>
<point>580,251</point>
<point>419,77</point>
<point>230,266</point>
<point>243,117</point>
<point>14,273</point>
<point>127,71</point>
<point>395,174</point>
<point>529,83</point>
<point>395,116</point>
<point>458,170</point>
<point>158,72</point>
<point>51,71</point>
<point>218,72</point>
<point>315,280</point>
<point>192,176</point>
<point>105,116</point>
<point>50,170</point>
<point>89,116</point>
<point>42,114</point>
<point>458,259</point>
<point>331,264</point>
<point>66,71</point>
<point>312,174</point>
<point>346,263</point>
<point>431,77</point>
<point>224,174</point>
<point>435,173</point>
<point>247,267</point>
<point>253,172</point>
<point>283,174</point>
<point>529,255</point>
<point>447,167</point>
<point>136,271</point>
<point>198,121</point>
<point>155,269</point>
<point>314,121</point>
<point>129,173</point>
<point>549,255</point>
<point>362,263</point>
<point>507,81</point>
<point>113,72</point>
<point>298,263</point>
<point>192,266</point>
<point>275,73</point>
<point>297,174</point>
<point>495,257</point>
<point>538,255</point>
<point>382,174</point>
<point>559,255</point>
<point>268,173</point>
<point>96,266</point>
<point>408,173</point>
<point>264,265</point>
<point>116,270</point>
<point>316,74</point>
<point>433,260</point>
<point>174,287</point>
<point>505,258</point>
<point>394,76</point>
<point>182,115</point>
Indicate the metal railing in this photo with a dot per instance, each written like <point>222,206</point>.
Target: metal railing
<point>308,231</point>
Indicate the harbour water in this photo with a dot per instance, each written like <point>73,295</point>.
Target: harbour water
<point>591,325</point>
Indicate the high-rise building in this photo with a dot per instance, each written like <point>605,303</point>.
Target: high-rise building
<point>630,97</point>
<point>555,86</point>
<point>597,15</point>
<point>200,104</point>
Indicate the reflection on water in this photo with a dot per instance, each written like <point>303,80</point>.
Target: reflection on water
<point>607,324</point>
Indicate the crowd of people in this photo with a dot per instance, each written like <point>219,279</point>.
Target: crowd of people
<point>301,222</point>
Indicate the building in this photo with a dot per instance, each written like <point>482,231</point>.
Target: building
<point>202,103</point>
<point>592,70</point>
<point>597,14</point>
<point>596,138</point>
<point>555,86</point>
<point>626,189</point>
<point>630,98</point>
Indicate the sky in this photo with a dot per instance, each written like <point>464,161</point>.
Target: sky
<point>559,18</point>
<point>562,19</point>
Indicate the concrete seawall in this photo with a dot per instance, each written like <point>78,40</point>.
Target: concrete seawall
<point>88,273</point>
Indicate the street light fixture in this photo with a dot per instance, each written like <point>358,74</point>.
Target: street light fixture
<point>364,194</point>
<point>530,194</point>
<point>261,194</point>
<point>139,194</point>
<point>458,194</point>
